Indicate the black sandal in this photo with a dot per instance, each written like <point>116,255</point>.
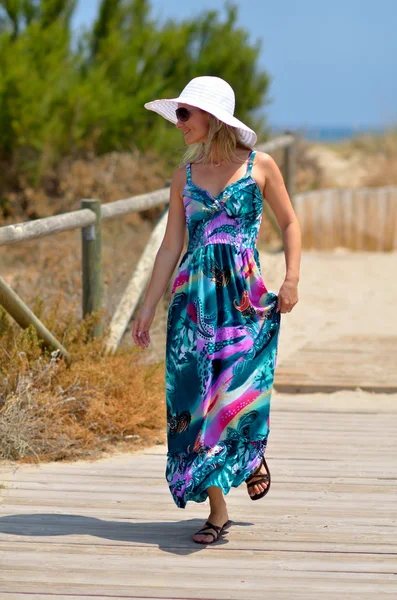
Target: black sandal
<point>263,478</point>
<point>218,530</point>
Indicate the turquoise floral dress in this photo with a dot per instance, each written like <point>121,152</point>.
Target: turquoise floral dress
<point>221,345</point>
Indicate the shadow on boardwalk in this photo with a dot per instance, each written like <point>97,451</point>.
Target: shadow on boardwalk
<point>109,528</point>
<point>167,536</point>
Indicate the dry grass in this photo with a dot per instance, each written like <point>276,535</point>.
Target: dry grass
<point>372,144</point>
<point>381,158</point>
<point>309,174</point>
<point>365,160</point>
<point>377,154</point>
<point>49,411</point>
<point>108,177</point>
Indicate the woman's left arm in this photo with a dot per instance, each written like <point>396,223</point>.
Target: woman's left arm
<point>276,195</point>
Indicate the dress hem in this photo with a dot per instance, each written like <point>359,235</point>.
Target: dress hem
<point>222,474</point>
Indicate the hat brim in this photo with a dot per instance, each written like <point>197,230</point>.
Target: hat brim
<point>166,108</point>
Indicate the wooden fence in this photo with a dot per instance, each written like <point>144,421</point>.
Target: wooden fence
<point>358,219</point>
<point>89,219</point>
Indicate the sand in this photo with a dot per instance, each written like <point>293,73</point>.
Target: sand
<point>340,293</point>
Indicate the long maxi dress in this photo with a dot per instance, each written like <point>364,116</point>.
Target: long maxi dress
<point>221,345</point>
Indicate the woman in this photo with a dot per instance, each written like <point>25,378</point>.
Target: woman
<point>223,324</point>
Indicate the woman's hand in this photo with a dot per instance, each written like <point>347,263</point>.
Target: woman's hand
<point>287,296</point>
<point>141,325</point>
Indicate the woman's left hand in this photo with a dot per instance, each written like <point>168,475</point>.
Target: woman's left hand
<point>287,296</point>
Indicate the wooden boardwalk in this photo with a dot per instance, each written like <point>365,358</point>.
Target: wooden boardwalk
<point>109,528</point>
<point>345,363</point>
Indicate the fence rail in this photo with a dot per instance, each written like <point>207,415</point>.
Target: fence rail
<point>77,219</point>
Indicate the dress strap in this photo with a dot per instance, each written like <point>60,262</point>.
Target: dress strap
<point>188,173</point>
<point>250,162</point>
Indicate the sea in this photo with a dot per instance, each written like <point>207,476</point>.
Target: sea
<point>326,133</point>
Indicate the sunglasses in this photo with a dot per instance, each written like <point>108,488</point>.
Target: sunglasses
<point>184,114</point>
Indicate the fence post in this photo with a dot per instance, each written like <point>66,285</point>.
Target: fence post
<point>22,314</point>
<point>92,264</point>
<point>290,167</point>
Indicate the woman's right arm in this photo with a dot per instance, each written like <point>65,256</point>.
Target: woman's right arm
<point>166,259</point>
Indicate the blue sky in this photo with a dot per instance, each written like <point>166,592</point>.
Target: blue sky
<point>331,63</point>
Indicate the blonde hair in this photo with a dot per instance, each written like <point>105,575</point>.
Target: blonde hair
<point>226,138</point>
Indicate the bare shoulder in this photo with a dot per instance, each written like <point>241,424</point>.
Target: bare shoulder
<point>178,180</point>
<point>266,163</point>
<point>264,168</point>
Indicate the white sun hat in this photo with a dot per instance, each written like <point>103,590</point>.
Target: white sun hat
<point>212,94</point>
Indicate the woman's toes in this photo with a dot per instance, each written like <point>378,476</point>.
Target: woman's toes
<point>202,537</point>
<point>258,488</point>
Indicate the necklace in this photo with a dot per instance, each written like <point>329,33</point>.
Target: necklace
<point>218,164</point>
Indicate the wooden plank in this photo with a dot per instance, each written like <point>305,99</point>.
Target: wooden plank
<point>393,219</point>
<point>280,541</point>
<point>279,587</point>
<point>87,561</point>
<point>348,214</point>
<point>348,362</point>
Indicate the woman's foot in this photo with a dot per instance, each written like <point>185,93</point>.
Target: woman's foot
<point>261,486</point>
<point>218,517</point>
